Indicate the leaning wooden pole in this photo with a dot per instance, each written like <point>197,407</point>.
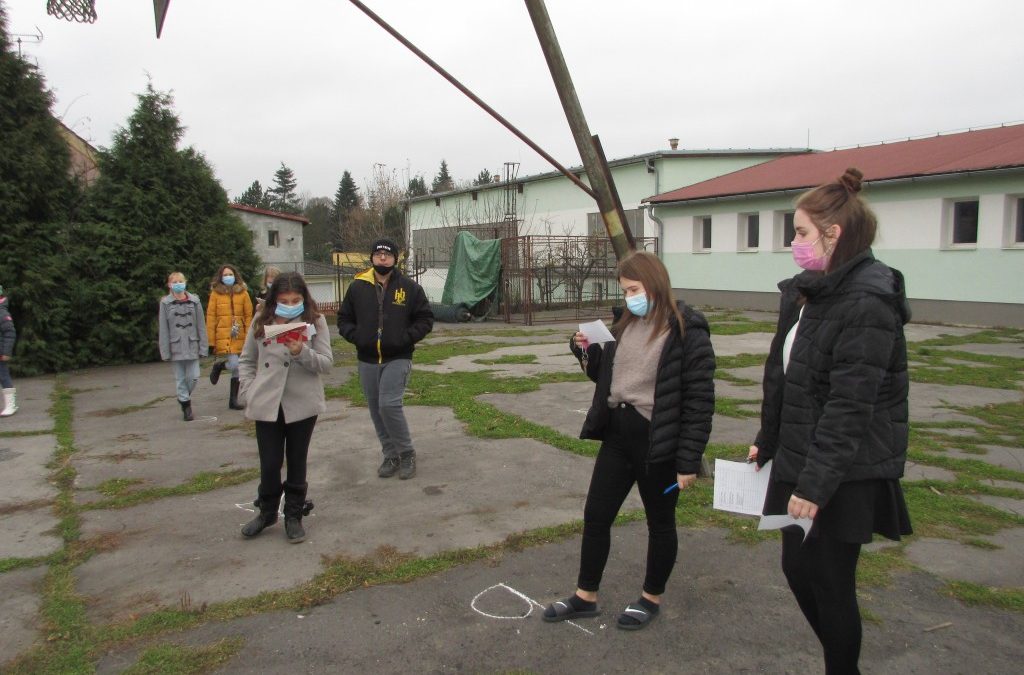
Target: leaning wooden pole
<point>593,159</point>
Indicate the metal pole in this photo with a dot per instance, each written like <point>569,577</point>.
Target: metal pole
<point>476,99</point>
<point>598,171</point>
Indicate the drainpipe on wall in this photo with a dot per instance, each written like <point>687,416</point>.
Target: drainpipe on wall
<point>652,167</point>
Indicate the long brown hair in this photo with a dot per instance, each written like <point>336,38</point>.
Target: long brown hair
<point>239,281</point>
<point>284,283</point>
<point>838,202</point>
<point>648,269</point>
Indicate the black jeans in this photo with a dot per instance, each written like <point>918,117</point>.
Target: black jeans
<point>621,461</point>
<point>822,573</point>
<point>277,441</point>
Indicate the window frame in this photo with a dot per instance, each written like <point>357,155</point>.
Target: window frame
<point>699,224</point>
<point>273,238</point>
<point>949,223</point>
<point>779,233</point>
<point>743,232</point>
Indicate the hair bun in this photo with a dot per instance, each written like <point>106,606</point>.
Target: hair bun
<point>851,180</point>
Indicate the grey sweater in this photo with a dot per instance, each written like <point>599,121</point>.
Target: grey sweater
<point>635,367</point>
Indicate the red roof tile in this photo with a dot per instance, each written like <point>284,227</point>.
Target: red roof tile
<point>996,148</point>
<point>276,214</point>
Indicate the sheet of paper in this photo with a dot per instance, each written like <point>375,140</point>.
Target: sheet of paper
<point>275,329</point>
<point>778,522</point>
<point>596,332</point>
<point>739,488</point>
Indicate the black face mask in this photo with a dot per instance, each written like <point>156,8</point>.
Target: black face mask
<point>383,270</point>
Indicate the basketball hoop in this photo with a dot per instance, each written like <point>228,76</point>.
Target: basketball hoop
<point>82,11</point>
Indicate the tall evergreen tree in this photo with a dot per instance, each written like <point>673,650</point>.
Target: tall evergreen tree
<point>443,180</point>
<point>155,209</point>
<point>417,187</point>
<point>318,235</point>
<point>283,197</point>
<point>36,198</point>
<point>346,198</point>
<point>483,178</point>
<point>254,196</point>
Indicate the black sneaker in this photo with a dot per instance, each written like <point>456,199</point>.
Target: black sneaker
<point>388,468</point>
<point>407,466</point>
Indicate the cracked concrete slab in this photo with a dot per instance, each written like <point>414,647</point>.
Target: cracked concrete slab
<point>19,610</point>
<point>34,402</point>
<point>952,560</point>
<point>467,492</point>
<point>934,402</point>
<point>1008,504</point>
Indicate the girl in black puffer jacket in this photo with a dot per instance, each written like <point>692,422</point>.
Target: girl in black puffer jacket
<point>835,412</point>
<point>652,411</point>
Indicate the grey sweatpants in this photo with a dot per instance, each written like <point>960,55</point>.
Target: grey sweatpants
<point>383,387</point>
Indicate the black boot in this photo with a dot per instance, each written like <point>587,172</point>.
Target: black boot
<point>233,396</point>
<point>186,410</point>
<point>295,507</point>
<point>266,516</point>
<point>218,366</point>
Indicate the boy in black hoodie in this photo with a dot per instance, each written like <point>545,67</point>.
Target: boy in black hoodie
<point>384,314</point>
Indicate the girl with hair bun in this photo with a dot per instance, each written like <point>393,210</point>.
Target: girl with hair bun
<point>835,416</point>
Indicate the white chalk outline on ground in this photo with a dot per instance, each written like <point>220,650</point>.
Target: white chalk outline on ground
<point>206,418</point>
<point>530,603</point>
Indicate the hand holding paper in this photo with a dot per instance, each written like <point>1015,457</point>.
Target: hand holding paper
<point>596,332</point>
<point>740,488</point>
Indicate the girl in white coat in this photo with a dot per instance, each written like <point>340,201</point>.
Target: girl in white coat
<point>281,384</point>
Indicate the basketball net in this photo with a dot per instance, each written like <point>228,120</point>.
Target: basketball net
<point>82,11</point>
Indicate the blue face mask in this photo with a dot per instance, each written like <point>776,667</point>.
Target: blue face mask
<point>228,280</point>
<point>638,305</point>
<point>178,287</point>
<point>289,311</point>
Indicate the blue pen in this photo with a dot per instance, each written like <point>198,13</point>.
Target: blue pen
<point>670,488</point>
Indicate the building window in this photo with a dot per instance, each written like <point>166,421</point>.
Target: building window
<point>1017,222</point>
<point>702,233</point>
<point>750,231</point>
<point>273,238</point>
<point>965,222</point>
<point>784,230</point>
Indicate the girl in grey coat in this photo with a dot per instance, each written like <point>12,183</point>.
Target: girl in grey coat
<point>182,338</point>
<point>281,385</point>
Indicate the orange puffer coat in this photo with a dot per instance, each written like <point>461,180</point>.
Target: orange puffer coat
<point>229,306</point>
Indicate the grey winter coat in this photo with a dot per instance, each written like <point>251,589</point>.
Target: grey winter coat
<point>182,328</point>
<point>7,333</point>
<point>273,379</point>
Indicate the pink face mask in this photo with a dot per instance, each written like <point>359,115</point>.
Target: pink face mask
<point>806,257</point>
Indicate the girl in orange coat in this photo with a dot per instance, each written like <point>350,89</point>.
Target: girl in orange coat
<point>228,316</point>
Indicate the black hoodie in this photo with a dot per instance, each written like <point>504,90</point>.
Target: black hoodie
<point>840,412</point>
<point>384,323</point>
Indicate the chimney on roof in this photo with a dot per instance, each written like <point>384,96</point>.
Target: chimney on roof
<point>673,143</point>
<point>496,178</point>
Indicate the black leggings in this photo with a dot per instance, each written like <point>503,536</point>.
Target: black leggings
<point>277,440</point>
<point>822,573</point>
<point>621,461</point>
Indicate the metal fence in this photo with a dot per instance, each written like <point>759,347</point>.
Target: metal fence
<point>326,282</point>
<point>567,277</point>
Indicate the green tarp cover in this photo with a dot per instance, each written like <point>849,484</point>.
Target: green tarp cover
<point>474,272</point>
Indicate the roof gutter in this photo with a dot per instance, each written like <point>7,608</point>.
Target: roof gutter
<point>883,181</point>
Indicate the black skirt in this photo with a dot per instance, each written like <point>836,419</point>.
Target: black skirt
<point>856,511</point>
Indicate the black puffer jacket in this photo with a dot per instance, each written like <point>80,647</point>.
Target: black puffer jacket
<point>684,393</point>
<point>840,411</point>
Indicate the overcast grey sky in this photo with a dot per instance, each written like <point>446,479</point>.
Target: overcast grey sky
<point>317,85</point>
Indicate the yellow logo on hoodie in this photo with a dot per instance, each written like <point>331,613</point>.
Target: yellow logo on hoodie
<point>399,296</point>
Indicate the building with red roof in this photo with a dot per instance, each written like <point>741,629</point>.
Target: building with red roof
<point>950,210</point>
